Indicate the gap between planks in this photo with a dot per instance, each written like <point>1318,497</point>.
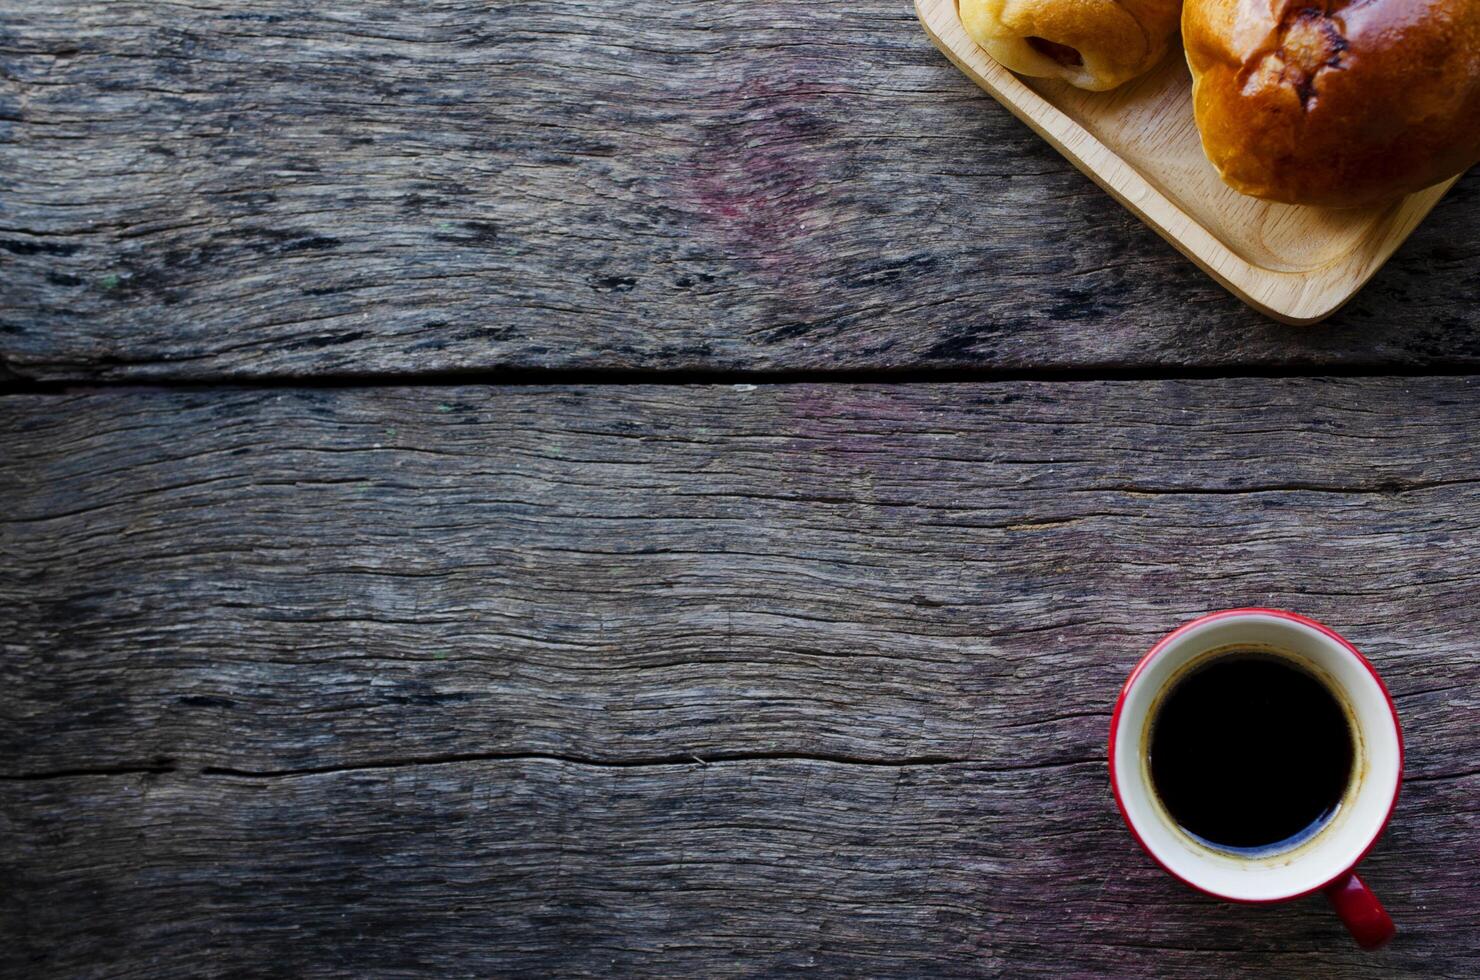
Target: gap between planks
<point>164,767</point>
<point>536,377</point>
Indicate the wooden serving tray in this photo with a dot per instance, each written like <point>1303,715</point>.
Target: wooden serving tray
<point>1139,142</point>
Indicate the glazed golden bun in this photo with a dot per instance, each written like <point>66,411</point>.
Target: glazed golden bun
<point>1091,44</point>
<point>1338,103</point>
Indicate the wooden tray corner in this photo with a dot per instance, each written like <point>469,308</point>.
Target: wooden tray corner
<point>1139,143</point>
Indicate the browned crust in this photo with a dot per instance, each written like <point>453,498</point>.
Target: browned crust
<point>1335,102</point>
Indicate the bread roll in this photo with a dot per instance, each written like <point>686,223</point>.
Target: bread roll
<point>1335,102</point>
<point>1092,44</point>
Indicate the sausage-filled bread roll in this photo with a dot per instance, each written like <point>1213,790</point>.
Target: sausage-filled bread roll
<point>1091,44</point>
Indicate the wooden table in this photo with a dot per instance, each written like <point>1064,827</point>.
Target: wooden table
<point>596,487</point>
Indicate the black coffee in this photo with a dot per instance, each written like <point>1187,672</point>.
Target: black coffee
<point>1250,751</point>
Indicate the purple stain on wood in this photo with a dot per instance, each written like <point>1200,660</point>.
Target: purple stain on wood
<point>863,427</point>
<point>755,178</point>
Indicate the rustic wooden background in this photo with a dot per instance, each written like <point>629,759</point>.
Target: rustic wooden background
<point>359,616</point>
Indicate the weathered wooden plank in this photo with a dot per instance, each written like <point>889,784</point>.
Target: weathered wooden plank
<point>204,190</point>
<point>647,572</point>
<point>731,869</point>
<point>506,624</point>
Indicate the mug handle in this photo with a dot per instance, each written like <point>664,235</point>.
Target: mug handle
<point>1360,911</point>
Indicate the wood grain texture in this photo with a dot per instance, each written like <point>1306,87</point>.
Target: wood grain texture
<point>203,190</point>
<point>668,679</point>
<point>745,868</point>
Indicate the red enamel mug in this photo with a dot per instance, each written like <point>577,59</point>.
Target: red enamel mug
<point>1325,862</point>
